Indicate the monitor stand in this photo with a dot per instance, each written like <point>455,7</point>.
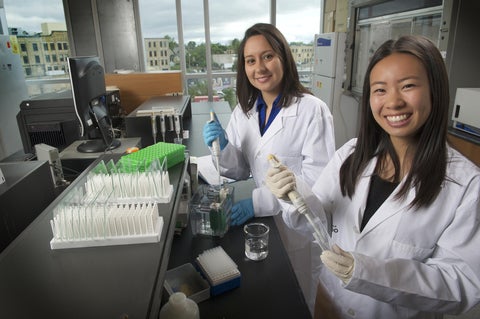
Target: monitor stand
<point>97,146</point>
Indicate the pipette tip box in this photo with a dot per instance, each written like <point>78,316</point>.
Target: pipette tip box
<point>219,269</point>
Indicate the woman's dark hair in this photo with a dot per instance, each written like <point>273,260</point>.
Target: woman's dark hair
<point>429,163</point>
<point>290,86</point>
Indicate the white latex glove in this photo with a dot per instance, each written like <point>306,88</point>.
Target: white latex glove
<point>339,262</point>
<point>280,181</point>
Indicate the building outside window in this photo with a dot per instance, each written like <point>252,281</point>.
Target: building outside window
<point>298,21</point>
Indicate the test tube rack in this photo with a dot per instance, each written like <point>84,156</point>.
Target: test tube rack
<point>114,206</point>
<point>104,225</point>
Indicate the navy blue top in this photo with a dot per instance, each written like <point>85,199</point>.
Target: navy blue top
<point>262,113</point>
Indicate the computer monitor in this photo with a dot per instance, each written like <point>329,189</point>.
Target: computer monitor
<point>87,79</point>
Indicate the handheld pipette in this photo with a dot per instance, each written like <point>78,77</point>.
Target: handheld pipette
<point>178,128</point>
<point>153,118</point>
<point>163,128</point>
<point>320,232</point>
<point>216,149</point>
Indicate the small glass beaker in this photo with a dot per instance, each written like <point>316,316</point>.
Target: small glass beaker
<point>256,241</point>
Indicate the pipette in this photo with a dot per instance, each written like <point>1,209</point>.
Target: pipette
<point>320,232</point>
<point>216,149</point>
<point>163,128</point>
<point>178,128</point>
<point>153,119</point>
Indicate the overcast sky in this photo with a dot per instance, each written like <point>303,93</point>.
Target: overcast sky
<point>228,19</point>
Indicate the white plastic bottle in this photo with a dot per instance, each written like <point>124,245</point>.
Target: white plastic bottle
<point>180,307</point>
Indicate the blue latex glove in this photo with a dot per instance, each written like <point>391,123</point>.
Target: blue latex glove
<point>212,131</point>
<point>241,212</point>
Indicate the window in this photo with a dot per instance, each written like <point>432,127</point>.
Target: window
<point>383,21</point>
<point>31,19</point>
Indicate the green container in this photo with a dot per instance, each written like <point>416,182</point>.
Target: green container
<point>142,159</point>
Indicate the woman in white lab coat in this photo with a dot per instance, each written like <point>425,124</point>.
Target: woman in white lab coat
<point>275,115</point>
<point>403,206</point>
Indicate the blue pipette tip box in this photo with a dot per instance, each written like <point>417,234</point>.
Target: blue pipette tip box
<point>219,270</point>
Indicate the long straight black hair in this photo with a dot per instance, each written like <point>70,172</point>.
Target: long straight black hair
<point>291,86</point>
<point>428,169</point>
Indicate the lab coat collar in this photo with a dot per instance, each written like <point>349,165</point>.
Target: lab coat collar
<point>277,124</point>
<point>388,209</point>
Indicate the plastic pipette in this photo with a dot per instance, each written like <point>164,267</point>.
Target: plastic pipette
<point>216,149</point>
<point>320,232</point>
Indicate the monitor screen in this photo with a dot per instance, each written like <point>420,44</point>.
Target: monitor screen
<point>87,79</point>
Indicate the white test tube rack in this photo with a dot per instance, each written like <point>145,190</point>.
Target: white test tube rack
<point>112,208</point>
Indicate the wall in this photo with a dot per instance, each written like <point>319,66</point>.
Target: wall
<point>108,29</point>
<point>335,16</point>
<point>136,88</point>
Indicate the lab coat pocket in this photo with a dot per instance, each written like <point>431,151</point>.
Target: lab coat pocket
<point>407,251</point>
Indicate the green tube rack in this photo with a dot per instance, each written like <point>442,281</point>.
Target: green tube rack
<point>141,160</point>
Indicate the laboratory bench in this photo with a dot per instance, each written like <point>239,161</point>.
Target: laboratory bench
<point>127,281</point>
<point>124,281</point>
<point>466,143</point>
<point>268,288</point>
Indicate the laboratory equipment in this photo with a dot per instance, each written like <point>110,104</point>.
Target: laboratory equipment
<point>178,129</point>
<point>466,110</point>
<point>216,149</point>
<point>160,118</point>
<point>95,224</point>
<point>210,210</point>
<point>50,154</point>
<point>50,119</point>
<point>116,205</point>
<point>173,153</point>
<point>187,279</point>
<point>327,80</point>
<point>256,241</point>
<point>179,306</point>
<point>26,191</point>
<point>220,270</point>
<point>320,232</point>
<point>13,89</point>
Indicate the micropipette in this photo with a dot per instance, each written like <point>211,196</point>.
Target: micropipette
<point>153,118</point>
<point>216,149</point>
<point>178,128</point>
<point>163,128</point>
<point>321,235</point>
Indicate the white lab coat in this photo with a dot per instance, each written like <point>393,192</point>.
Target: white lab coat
<point>301,137</point>
<point>408,263</point>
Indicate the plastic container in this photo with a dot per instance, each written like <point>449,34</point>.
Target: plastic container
<point>187,279</point>
<point>180,307</point>
<point>174,154</point>
<point>209,211</point>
